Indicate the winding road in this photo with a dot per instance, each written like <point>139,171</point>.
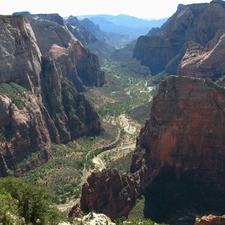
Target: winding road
<point>97,160</point>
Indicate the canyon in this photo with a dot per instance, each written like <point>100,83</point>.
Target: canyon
<point>41,77</point>
<point>52,86</point>
<point>187,44</point>
<point>171,167</point>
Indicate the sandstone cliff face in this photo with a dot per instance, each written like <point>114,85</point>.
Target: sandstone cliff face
<point>196,23</point>
<point>90,36</point>
<point>77,63</point>
<point>113,194</point>
<point>39,102</point>
<point>184,146</point>
<point>20,58</point>
<point>204,62</point>
<point>23,130</point>
<point>179,160</point>
<point>79,31</point>
<point>186,126</point>
<point>101,194</point>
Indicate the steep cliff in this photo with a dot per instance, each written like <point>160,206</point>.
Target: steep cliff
<point>76,62</point>
<point>39,102</point>
<point>113,200</point>
<point>90,36</point>
<point>165,48</point>
<point>186,126</point>
<point>184,142</point>
<point>204,62</point>
<point>20,56</point>
<point>178,164</point>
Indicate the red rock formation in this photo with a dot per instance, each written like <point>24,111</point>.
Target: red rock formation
<point>198,23</point>
<point>204,62</point>
<point>211,220</point>
<point>38,103</point>
<point>179,160</point>
<point>110,193</point>
<point>20,55</point>
<point>76,62</point>
<point>23,132</point>
<point>113,194</point>
<point>184,148</point>
<point>186,126</point>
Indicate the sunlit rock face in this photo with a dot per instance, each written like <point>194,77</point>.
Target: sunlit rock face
<point>178,164</point>
<point>20,55</point>
<point>186,126</point>
<point>76,62</point>
<point>110,193</point>
<point>39,101</point>
<point>189,43</point>
<point>95,219</point>
<point>211,220</point>
<point>184,148</point>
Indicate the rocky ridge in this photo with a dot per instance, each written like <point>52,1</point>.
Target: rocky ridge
<point>211,220</point>
<point>95,219</point>
<point>42,68</point>
<point>190,43</point>
<point>90,36</point>
<point>182,145</point>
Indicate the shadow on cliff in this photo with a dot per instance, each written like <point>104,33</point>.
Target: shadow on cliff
<point>178,197</point>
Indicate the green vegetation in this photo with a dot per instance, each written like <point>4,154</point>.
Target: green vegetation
<point>140,113</point>
<point>123,93</point>
<point>41,151</point>
<point>122,164</point>
<point>63,172</point>
<point>22,203</point>
<point>4,132</point>
<point>60,173</point>
<point>15,92</point>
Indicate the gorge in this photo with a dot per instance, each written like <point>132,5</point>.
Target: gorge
<point>61,104</point>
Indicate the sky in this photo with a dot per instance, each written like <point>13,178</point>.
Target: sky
<point>139,8</point>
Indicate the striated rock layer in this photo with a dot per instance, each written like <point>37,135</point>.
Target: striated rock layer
<point>190,43</point>
<point>186,126</point>
<point>39,80</point>
<point>110,193</point>
<point>179,160</point>
<point>77,63</point>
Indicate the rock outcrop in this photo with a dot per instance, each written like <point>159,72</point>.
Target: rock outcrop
<point>39,79</point>
<point>20,56</point>
<point>95,219</point>
<point>211,220</point>
<point>90,36</point>
<point>184,145</point>
<point>167,49</point>
<point>179,160</point>
<point>101,194</point>
<point>79,31</point>
<point>186,126</point>
<point>76,62</point>
<point>204,62</point>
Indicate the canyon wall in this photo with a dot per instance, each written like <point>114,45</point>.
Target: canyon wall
<point>42,69</point>
<point>190,43</point>
<point>179,160</point>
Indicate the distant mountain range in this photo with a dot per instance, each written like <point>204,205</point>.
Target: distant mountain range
<point>123,20</point>
<point>130,26</point>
